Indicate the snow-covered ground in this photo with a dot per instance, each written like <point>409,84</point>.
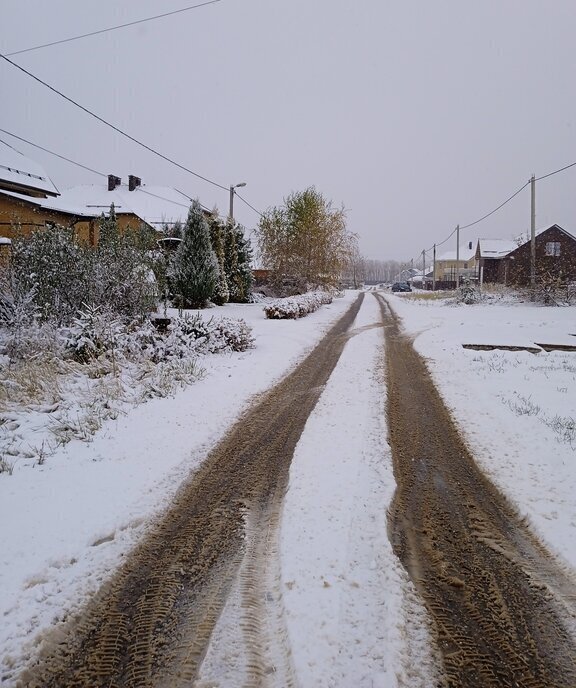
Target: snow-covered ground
<point>516,410</point>
<point>65,524</point>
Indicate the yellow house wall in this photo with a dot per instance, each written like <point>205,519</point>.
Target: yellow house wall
<point>445,269</point>
<point>17,216</point>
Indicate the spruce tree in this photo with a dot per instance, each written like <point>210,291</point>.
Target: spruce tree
<point>244,258</point>
<point>194,272</point>
<point>231,261</point>
<point>238,255</point>
<point>221,294</point>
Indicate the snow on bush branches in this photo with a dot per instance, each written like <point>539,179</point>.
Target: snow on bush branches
<point>296,306</point>
<point>67,381</point>
<point>96,333</point>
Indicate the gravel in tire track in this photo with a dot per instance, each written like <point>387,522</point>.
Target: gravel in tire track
<point>150,625</point>
<point>504,610</point>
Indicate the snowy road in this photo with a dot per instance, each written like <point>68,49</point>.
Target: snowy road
<point>303,588</point>
<point>503,607</point>
<point>151,623</point>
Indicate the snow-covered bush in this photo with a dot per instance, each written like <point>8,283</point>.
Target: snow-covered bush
<point>97,334</point>
<point>50,265</point>
<point>297,306</point>
<point>468,293</point>
<point>74,378</point>
<point>207,336</point>
<point>95,331</point>
<point>61,276</point>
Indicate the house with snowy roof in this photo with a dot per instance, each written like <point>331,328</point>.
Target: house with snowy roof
<point>29,199</point>
<point>22,175</point>
<point>555,258</point>
<point>505,261</point>
<point>448,264</point>
<point>135,204</point>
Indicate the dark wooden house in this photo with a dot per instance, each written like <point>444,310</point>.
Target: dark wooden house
<point>555,258</point>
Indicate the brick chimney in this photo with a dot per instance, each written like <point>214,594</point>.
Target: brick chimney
<point>133,182</point>
<point>113,182</point>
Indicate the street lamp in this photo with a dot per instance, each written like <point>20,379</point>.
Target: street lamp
<point>231,214</point>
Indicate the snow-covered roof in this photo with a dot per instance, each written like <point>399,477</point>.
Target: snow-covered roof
<point>541,230</point>
<point>466,254</point>
<point>18,171</point>
<point>156,205</point>
<point>56,204</point>
<point>496,248</point>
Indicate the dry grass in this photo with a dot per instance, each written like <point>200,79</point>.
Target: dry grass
<point>30,382</point>
<point>426,296</point>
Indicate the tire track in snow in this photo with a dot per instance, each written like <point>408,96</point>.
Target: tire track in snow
<point>504,609</point>
<point>151,624</point>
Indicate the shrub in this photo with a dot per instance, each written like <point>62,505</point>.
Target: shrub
<point>94,332</point>
<point>54,277</point>
<point>296,306</point>
<point>467,293</point>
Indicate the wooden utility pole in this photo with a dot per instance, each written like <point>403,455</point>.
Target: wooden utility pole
<point>533,231</point>
<point>434,269</point>
<point>457,256</point>
<point>423,269</point>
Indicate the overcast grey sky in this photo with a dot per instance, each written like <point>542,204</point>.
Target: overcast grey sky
<point>416,115</point>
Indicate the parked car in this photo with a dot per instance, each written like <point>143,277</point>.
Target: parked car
<point>401,286</point>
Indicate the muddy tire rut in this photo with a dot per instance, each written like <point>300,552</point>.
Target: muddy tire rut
<point>150,625</point>
<point>504,610</point>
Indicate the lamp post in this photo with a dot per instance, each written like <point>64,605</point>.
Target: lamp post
<point>231,213</point>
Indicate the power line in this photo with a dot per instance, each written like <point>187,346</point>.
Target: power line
<point>555,172</point>
<point>46,150</point>
<point>112,126</point>
<point>471,224</point>
<point>248,204</point>
<point>85,167</point>
<point>7,144</point>
<point>162,198</point>
<point>112,28</point>
<point>442,242</point>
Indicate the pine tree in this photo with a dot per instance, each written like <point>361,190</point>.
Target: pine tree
<point>221,293</point>
<point>194,272</point>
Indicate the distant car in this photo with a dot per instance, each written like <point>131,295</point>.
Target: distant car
<point>401,286</point>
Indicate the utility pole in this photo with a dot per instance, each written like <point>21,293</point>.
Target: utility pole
<point>434,269</point>
<point>533,232</point>
<point>457,256</point>
<point>423,269</point>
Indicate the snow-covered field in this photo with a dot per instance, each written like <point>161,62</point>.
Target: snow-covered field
<point>66,523</point>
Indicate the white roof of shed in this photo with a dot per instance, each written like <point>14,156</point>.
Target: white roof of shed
<point>16,168</point>
<point>496,248</point>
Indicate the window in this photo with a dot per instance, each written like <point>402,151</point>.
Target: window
<point>552,248</point>
<point>465,265</point>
